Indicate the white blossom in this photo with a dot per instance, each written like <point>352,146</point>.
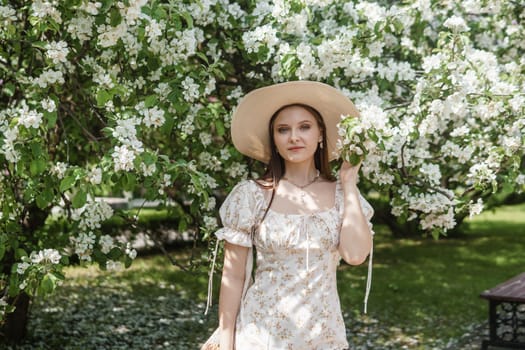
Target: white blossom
<point>210,205</point>
<point>154,29</point>
<point>209,161</point>
<point>114,265</point>
<point>456,24</point>
<point>130,252</point>
<point>210,223</point>
<point>49,77</point>
<point>22,267</point>
<point>57,51</point>
<point>30,119</point>
<point>264,35</point>
<point>59,169</point>
<point>45,256</point>
<point>8,14</point>
<point>83,245</point>
<point>237,170</point>
<point>153,117</point>
<point>49,105</point>
<point>205,138</point>
<point>432,172</point>
<point>91,7</point>
<point>480,173</point>
<point>8,148</point>
<point>45,8</point>
<point>372,12</point>
<point>92,214</point>
<point>210,86</point>
<point>445,221</point>
<point>225,154</point>
<point>191,89</point>
<point>106,244</point>
<point>432,62</point>
<point>123,158</point>
<point>148,170</point>
<point>95,176</point>
<point>475,208</point>
<point>108,36</point>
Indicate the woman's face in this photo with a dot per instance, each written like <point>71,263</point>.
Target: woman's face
<point>296,134</point>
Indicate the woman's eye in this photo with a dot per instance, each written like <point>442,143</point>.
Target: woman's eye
<point>305,126</point>
<point>282,130</point>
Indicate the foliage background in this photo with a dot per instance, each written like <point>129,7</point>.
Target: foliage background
<point>103,98</point>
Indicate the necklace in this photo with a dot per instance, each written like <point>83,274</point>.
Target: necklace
<point>303,186</point>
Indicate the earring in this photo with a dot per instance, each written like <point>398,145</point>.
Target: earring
<point>321,144</point>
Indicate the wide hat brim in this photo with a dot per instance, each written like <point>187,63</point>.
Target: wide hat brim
<point>250,120</point>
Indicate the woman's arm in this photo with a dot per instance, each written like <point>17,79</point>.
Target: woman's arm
<point>232,283</point>
<point>355,239</point>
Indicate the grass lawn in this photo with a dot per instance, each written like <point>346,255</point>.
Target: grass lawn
<point>426,290</point>
<point>425,295</point>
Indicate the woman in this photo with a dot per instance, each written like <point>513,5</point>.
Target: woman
<point>312,222</point>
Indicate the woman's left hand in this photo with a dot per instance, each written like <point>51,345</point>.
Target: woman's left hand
<point>349,174</point>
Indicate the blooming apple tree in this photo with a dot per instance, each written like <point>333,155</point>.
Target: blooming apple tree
<point>439,85</point>
<point>103,97</point>
<point>100,98</point>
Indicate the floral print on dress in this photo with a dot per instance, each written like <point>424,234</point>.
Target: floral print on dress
<point>293,302</point>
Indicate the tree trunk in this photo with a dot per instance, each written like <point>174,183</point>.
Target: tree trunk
<point>15,327</point>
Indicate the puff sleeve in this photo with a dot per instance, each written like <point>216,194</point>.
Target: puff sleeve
<point>238,214</point>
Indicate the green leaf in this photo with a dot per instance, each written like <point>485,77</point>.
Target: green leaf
<point>150,101</point>
<point>47,285</point>
<point>183,225</point>
<point>67,183</point>
<point>103,96</point>
<point>115,254</point>
<point>354,159</point>
<point>202,57</point>
<point>80,198</point>
<point>37,166</point>
<point>51,118</point>
<point>373,135</point>
<point>100,258</point>
<point>36,149</point>
<point>220,127</point>
<point>44,198</point>
<point>14,285</point>
<point>19,253</point>
<point>131,180</point>
<point>9,89</point>
<point>115,17</point>
<point>188,19</point>
<point>148,158</point>
<point>64,260</point>
<point>2,250</point>
<point>39,44</point>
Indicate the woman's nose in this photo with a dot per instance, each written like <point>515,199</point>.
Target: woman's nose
<point>294,135</point>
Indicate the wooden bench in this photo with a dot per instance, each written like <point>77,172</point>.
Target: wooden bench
<point>506,314</point>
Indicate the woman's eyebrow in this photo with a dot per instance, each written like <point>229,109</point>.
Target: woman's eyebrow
<point>301,122</point>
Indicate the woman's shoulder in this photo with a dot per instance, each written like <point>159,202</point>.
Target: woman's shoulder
<point>249,188</point>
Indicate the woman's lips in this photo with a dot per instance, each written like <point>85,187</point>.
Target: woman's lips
<point>295,148</point>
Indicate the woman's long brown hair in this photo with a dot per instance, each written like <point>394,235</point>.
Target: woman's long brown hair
<point>275,169</point>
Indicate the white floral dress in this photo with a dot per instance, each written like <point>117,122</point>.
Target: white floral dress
<point>293,302</point>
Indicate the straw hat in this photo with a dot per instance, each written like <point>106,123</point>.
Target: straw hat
<point>252,116</point>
